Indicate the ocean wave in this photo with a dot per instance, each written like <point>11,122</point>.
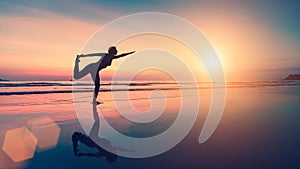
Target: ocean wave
<point>43,84</point>
<point>138,86</point>
<point>79,91</point>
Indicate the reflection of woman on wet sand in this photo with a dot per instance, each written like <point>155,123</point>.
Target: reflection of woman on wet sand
<point>95,68</point>
<point>93,141</point>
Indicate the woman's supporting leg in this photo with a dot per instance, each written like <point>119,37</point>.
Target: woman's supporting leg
<point>97,87</point>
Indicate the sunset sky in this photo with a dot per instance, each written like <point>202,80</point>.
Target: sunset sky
<point>255,40</point>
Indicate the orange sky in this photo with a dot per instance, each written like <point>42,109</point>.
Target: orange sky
<point>43,45</point>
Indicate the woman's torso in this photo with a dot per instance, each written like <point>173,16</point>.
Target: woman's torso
<point>106,61</point>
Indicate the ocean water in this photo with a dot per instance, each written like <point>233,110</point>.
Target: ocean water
<point>259,127</point>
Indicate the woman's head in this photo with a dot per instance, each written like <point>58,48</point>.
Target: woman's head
<point>112,50</point>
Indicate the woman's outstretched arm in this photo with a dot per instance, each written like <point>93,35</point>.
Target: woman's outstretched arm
<point>123,54</point>
<point>91,54</point>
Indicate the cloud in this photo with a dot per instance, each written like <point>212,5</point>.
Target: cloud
<point>93,10</point>
<point>46,44</point>
<point>279,59</point>
<point>87,12</point>
<point>290,70</point>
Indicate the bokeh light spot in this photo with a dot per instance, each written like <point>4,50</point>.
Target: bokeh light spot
<point>47,132</point>
<point>19,144</point>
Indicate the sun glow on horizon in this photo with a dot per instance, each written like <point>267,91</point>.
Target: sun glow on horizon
<point>44,44</point>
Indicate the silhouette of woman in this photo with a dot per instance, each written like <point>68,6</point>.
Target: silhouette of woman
<point>95,68</point>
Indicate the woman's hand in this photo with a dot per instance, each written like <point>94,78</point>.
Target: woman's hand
<point>77,58</point>
<point>131,52</point>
